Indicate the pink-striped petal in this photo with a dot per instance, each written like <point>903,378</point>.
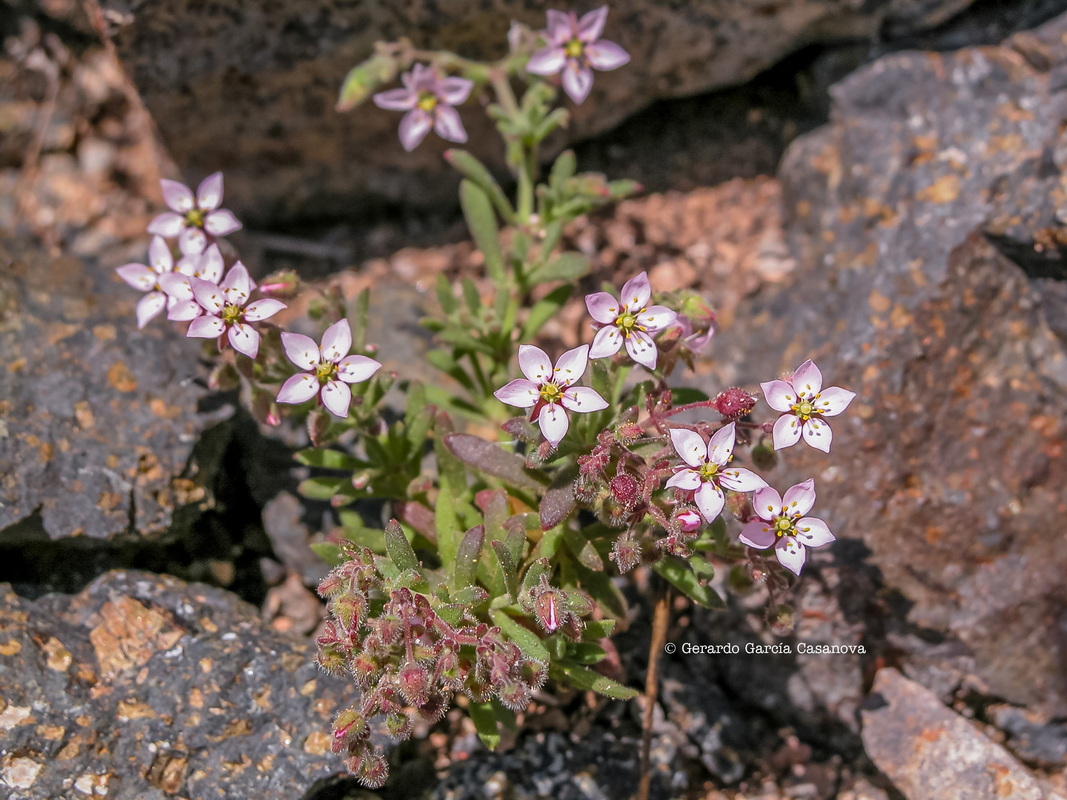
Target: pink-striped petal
<point>356,369</point>
<point>758,534</point>
<point>571,365</point>
<point>534,363</point>
<point>414,127</point>
<point>721,445</point>
<point>767,503</point>
<point>301,350</point>
<point>336,341</point>
<point>177,196</point>
<point>561,26</point>
<point>786,432</point>
<point>396,99</point>
<point>448,124</point>
<point>807,380</point>
<point>547,61</point>
<point>167,224</point>
<point>554,423</point>
<point>834,400</point>
<point>245,339</point>
<point>237,286</point>
<point>149,307</point>
<point>206,327</point>
<point>813,532</point>
<point>689,446</point>
<point>605,55</point>
<point>577,81</point>
<point>779,395</point>
<point>818,434</point>
<point>582,400</point>
<point>520,393</point>
<point>739,479</point>
<point>791,554</point>
<point>606,343</point>
<point>591,25</point>
<point>337,397</point>
<point>298,389</point>
<point>636,293</point>
<point>642,349</point>
<point>799,499</point>
<point>208,295</point>
<point>687,479</point>
<point>221,223</point>
<point>209,192</point>
<point>656,318</point>
<point>710,501</point>
<point>138,276</point>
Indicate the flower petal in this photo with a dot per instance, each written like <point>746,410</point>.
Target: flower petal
<point>591,25</point>
<point>791,554</point>
<point>818,434</point>
<point>298,389</point>
<point>237,287</point>
<point>520,393</point>
<point>337,397</point>
<point>807,380</point>
<point>786,431</point>
<point>606,343</point>
<point>149,306</point>
<point>739,479</point>
<point>191,248</point>
<point>767,503</point>
<point>209,192</point>
<point>413,128</point>
<point>642,349</point>
<point>176,285</point>
<point>687,479</point>
<point>300,349</point>
<point>177,196</point>
<point>167,224</point>
<point>577,81</point>
<point>799,499</point>
<point>605,55</point>
<point>453,90</point>
<point>208,295</point>
<point>582,399</point>
<point>813,532</point>
<point>534,363</point>
<point>779,395</point>
<point>191,239</point>
<point>571,365</point>
<point>710,501</point>
<point>206,327</point>
<point>636,293</point>
<point>758,534</point>
<point>834,400</point>
<point>245,339</point>
<point>396,99</point>
<point>547,61</point>
<point>159,257</point>
<point>356,369</point>
<point>656,318</point>
<point>554,423</point>
<point>689,446</point>
<point>138,276</point>
<point>262,309</point>
<point>561,26</point>
<point>221,223</point>
<point>602,307</point>
<point>448,125</point>
<point>336,341</point>
<point>211,265</point>
<point>721,445</point>
<point>184,310</point>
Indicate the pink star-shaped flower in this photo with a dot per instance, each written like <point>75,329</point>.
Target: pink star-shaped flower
<point>330,368</point>
<point>207,266</point>
<point>706,473</point>
<point>550,391</point>
<point>629,320</point>
<point>782,524</point>
<point>805,403</point>
<point>152,278</point>
<point>227,310</point>
<point>429,99</point>
<point>576,49</point>
<point>193,218</point>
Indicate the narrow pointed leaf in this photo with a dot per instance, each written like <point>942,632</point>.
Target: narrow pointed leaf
<point>470,167</point>
<point>492,459</point>
<point>481,219</point>
<point>584,678</point>
<point>528,641</point>
<point>484,718</point>
<point>465,566</point>
<point>680,575</point>
<point>398,548</point>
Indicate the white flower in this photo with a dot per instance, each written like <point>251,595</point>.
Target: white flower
<point>228,312</point>
<point>706,473</point>
<point>782,524</point>
<point>806,403</point>
<point>193,218</point>
<point>628,321</point>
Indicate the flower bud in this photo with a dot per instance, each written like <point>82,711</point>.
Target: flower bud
<point>224,377</point>
<point>414,683</point>
<point>549,610</point>
<point>284,284</point>
<point>434,709</point>
<point>628,432</point>
<point>332,659</point>
<point>348,726</point>
<point>625,490</point>
<point>626,553</point>
<point>689,521</point>
<point>373,770</point>
<point>734,403</point>
<point>514,695</point>
<point>399,726</point>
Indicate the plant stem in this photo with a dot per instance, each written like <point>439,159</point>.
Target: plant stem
<point>661,618</point>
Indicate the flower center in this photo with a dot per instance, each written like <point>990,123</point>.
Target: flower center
<point>325,371</point>
<point>784,526</point>
<point>194,218</point>
<point>231,313</point>
<point>708,471</point>
<point>427,101</point>
<point>805,409</point>
<point>574,48</point>
<point>550,393</point>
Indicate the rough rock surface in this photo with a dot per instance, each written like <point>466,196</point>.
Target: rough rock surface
<point>100,419</point>
<point>929,280</point>
<point>931,753</point>
<point>251,89</point>
<point>143,687</point>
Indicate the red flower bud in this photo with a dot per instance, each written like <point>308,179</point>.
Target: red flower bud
<point>734,403</point>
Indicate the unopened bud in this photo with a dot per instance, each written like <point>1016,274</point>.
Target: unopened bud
<point>514,695</point>
<point>626,553</point>
<point>734,403</point>
<point>625,490</point>
<point>284,284</point>
<point>548,609</point>
<point>414,683</point>
<point>399,725</point>
<point>373,771</point>
<point>628,433</point>
<point>689,521</point>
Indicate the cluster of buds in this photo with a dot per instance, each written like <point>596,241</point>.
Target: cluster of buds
<point>408,659</point>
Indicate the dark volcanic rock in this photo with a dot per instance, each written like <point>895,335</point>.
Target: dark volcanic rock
<point>98,420</point>
<point>251,88</point>
<point>143,687</point>
<point>922,221</point>
<point>931,753</point>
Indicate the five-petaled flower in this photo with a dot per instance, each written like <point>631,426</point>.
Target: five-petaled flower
<point>782,524</point>
<point>193,218</point>
<point>707,473</point>
<point>628,321</point>
<point>805,403</point>
<point>152,279</point>
<point>574,47</point>
<point>207,266</point>
<point>429,99</point>
<point>330,368</point>
<point>227,310</point>
<point>550,391</point>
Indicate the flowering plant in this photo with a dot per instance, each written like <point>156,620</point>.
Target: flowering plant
<point>491,575</point>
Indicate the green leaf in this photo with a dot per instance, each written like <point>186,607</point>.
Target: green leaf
<point>443,361</point>
<point>564,168</point>
<point>570,266</point>
<point>470,167</point>
<point>468,554</point>
<point>588,653</point>
<point>328,552</point>
<point>598,629</point>
<point>458,337</point>
<point>398,548</point>
<point>492,459</point>
<point>481,219</point>
<point>364,79</point>
<point>680,575</point>
<point>453,483</point>
<point>584,678</point>
<point>326,458</point>
<point>470,294</point>
<point>583,549</point>
<point>321,487</point>
<point>359,330</point>
<point>543,310</point>
<point>353,529</point>
<point>484,718</point>
<point>445,298</point>
<point>532,579</point>
<point>492,571</point>
<point>528,641</point>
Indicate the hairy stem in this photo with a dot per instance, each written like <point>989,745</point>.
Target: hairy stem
<point>661,618</point>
